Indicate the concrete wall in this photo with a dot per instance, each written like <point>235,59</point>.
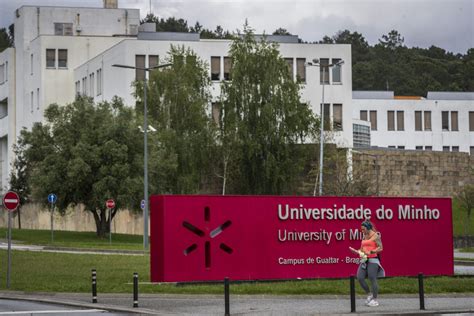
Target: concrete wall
<point>34,216</point>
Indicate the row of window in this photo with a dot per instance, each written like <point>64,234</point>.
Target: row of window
<point>89,84</point>
<point>324,75</point>
<point>396,120</point>
<point>453,149</point>
<point>55,58</point>
<point>334,109</point>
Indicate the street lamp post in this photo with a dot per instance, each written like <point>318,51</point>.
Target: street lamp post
<point>317,63</point>
<point>145,154</point>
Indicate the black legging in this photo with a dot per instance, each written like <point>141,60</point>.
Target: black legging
<point>371,271</point>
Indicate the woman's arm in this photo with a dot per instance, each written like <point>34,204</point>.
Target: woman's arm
<point>378,242</point>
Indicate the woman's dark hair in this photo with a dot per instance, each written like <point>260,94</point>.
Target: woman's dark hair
<point>367,224</point>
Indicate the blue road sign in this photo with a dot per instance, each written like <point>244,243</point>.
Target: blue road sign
<point>142,204</point>
<point>52,198</point>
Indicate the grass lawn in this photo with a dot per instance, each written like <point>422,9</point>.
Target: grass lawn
<point>74,239</point>
<point>59,272</point>
<point>466,250</point>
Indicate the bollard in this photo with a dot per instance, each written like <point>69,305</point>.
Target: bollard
<point>353,294</point>
<point>94,286</point>
<point>226,296</point>
<point>135,289</point>
<point>421,291</point>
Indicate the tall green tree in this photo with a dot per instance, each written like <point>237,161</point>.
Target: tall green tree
<point>86,153</point>
<point>20,177</point>
<point>6,37</point>
<point>178,103</point>
<point>263,119</point>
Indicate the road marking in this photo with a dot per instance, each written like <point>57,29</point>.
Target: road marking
<point>65,311</point>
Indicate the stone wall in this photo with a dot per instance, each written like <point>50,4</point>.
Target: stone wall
<point>415,173</point>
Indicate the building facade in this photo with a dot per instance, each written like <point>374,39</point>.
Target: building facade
<point>61,51</point>
<point>443,121</point>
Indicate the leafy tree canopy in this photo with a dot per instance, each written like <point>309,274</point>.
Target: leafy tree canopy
<point>86,154</point>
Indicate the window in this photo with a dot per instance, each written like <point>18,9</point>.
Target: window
<point>392,147</point>
<point>400,121</point>
<point>471,150</point>
<point>2,73</point>
<point>91,82</point>
<point>373,120</point>
<point>336,71</point>
<point>152,61</point>
<point>419,147</point>
<point>62,28</point>
<point>37,98</point>
<point>427,115</point>
<point>428,148</point>
<point>50,58</point>
<point>401,147</point>
<point>445,120</point>
<point>471,121</point>
<point>31,64</point>
<point>324,70</point>
<point>83,86</point>
<point>99,81</point>
<point>445,148</point>
<point>418,123</point>
<point>390,120</point>
<point>6,71</point>
<point>227,68</point>
<point>337,117</point>
<point>454,121</point>
<point>78,87</point>
<point>327,120</point>
<point>289,61</point>
<point>31,101</point>
<point>455,149</point>
<point>301,70</point>
<point>140,63</point>
<point>62,58</point>
<point>215,68</point>
<point>216,112</point>
<point>363,115</point>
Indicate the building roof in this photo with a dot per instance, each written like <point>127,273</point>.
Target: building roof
<point>372,94</point>
<point>435,95</point>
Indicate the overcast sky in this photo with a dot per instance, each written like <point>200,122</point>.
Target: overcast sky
<point>444,23</point>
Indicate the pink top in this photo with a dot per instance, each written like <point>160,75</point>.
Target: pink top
<point>367,246</point>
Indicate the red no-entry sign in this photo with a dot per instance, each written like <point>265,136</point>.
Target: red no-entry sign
<point>110,203</point>
<point>11,200</point>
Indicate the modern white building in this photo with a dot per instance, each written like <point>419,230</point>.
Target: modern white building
<point>443,121</point>
<point>61,51</point>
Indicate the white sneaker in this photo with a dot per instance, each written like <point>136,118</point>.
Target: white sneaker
<point>373,303</point>
<point>369,298</point>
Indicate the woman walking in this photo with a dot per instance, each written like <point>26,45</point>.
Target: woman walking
<point>370,265</point>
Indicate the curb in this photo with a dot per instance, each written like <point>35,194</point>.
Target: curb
<point>139,311</point>
<point>109,251</point>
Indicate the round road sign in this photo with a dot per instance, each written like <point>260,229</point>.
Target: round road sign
<point>110,203</point>
<point>52,198</point>
<point>11,200</point>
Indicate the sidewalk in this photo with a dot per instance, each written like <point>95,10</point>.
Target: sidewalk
<point>165,304</point>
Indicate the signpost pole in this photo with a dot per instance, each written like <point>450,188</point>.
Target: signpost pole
<point>9,248</point>
<point>110,226</point>
<point>52,219</point>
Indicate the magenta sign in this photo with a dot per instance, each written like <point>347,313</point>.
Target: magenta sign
<point>198,238</point>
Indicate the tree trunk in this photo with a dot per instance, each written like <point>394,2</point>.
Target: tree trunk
<point>101,223</point>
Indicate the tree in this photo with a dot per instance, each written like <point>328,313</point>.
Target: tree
<point>85,154</point>
<point>180,150</point>
<point>6,37</point>
<point>19,177</point>
<point>281,31</point>
<point>262,119</point>
<point>392,40</point>
<point>466,200</point>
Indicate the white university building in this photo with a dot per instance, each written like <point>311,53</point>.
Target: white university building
<point>62,51</point>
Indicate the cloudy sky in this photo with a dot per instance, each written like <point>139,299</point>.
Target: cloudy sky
<point>444,23</point>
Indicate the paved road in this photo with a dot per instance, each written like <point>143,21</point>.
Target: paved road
<point>265,305</point>
<point>17,307</point>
